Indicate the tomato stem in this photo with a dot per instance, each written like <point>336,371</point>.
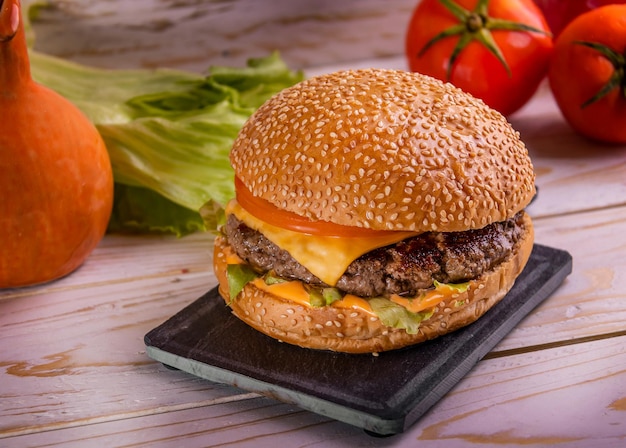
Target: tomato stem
<point>476,25</point>
<point>617,80</point>
<point>475,22</point>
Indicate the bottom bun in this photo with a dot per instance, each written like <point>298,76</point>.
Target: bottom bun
<point>354,330</point>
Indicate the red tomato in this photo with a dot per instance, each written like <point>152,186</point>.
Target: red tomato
<point>587,74</point>
<point>559,13</point>
<point>480,53</point>
<point>271,214</point>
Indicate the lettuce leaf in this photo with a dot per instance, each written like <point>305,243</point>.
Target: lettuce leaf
<point>167,131</point>
<point>133,204</point>
<point>238,275</point>
<point>393,315</point>
<point>458,287</point>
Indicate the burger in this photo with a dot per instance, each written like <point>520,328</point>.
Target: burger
<point>375,209</point>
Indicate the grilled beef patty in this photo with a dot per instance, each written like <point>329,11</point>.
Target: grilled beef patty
<point>402,268</point>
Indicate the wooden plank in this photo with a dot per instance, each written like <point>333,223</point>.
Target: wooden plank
<point>572,395</point>
<point>573,173</point>
<point>74,355</point>
<point>194,35</point>
<point>121,258</point>
<point>592,301</point>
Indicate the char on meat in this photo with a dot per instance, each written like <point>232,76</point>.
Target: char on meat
<point>402,268</point>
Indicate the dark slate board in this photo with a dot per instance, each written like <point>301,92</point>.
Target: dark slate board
<point>382,394</point>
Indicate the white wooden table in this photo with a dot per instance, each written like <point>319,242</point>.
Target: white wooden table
<point>74,372</point>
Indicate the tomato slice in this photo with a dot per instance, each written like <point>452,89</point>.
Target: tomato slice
<point>268,212</point>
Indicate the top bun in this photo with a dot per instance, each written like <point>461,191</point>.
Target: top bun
<point>384,149</point>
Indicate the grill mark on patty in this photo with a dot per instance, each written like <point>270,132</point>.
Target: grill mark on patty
<point>403,268</point>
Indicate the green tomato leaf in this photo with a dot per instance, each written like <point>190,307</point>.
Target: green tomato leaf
<point>475,25</point>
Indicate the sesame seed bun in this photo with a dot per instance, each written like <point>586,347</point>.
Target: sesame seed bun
<point>357,331</point>
<point>384,149</point>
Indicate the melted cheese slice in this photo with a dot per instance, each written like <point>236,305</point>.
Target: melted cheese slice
<point>428,300</point>
<point>326,257</point>
<point>294,291</point>
<point>351,301</point>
